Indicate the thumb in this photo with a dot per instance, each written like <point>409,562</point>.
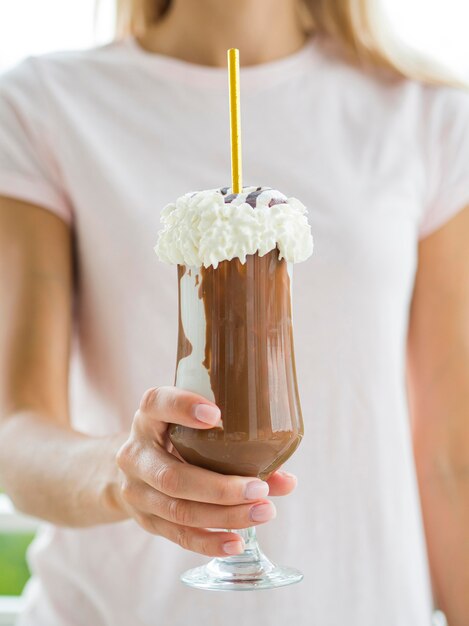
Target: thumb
<point>161,406</point>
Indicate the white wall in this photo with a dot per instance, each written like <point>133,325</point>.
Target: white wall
<point>438,27</point>
<point>38,26</point>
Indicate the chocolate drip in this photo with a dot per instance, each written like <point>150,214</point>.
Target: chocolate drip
<point>252,197</point>
<point>250,359</point>
<point>275,201</point>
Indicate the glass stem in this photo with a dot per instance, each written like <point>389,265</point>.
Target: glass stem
<point>249,564</point>
<point>250,538</point>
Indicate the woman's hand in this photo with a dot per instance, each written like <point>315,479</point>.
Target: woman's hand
<point>180,501</point>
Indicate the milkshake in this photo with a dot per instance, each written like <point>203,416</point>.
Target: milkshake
<point>235,343</point>
<point>234,254</point>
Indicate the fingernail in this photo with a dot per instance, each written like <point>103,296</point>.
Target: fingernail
<point>263,512</point>
<point>256,489</point>
<point>207,414</point>
<point>233,547</point>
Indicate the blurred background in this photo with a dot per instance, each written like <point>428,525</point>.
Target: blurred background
<point>436,28</point>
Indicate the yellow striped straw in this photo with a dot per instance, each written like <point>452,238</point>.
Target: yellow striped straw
<point>235,121</point>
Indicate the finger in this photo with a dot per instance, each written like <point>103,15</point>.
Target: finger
<point>204,542</point>
<point>196,514</point>
<point>169,405</point>
<point>169,447</point>
<point>165,473</point>
<point>281,483</point>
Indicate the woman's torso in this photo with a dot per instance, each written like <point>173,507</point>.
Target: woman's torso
<point>131,132</point>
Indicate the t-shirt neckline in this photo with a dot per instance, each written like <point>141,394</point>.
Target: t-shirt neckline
<point>261,76</point>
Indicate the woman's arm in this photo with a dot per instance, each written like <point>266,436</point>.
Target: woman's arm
<point>49,470</point>
<point>438,359</point>
<point>53,472</point>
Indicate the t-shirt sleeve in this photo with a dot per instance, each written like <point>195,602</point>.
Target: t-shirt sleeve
<point>29,167</point>
<point>447,155</point>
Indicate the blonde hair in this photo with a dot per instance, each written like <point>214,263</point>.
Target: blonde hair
<point>358,26</point>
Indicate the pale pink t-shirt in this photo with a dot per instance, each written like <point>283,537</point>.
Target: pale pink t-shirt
<point>105,138</point>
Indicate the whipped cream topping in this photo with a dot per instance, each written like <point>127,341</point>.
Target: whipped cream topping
<point>206,227</point>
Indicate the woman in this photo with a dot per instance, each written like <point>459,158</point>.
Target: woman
<point>92,145</point>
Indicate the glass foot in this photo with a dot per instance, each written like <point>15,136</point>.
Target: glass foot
<point>246,572</point>
<point>202,578</point>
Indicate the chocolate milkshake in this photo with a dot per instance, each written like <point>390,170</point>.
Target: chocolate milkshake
<point>248,355</point>
<point>234,254</point>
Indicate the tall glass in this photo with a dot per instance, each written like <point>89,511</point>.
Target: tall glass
<point>235,347</point>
